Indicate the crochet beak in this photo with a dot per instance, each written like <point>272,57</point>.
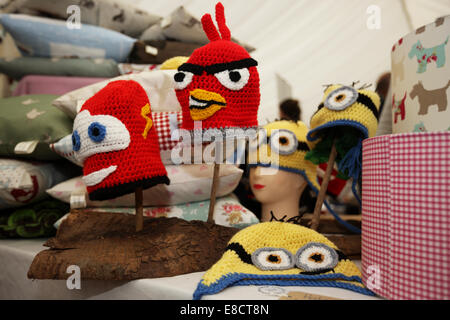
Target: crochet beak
<point>98,176</point>
<point>203,104</point>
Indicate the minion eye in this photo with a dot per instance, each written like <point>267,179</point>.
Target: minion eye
<point>341,98</point>
<point>182,79</point>
<point>272,259</point>
<point>316,256</point>
<point>234,79</point>
<point>283,142</point>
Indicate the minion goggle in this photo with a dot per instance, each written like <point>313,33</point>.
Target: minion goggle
<point>281,141</point>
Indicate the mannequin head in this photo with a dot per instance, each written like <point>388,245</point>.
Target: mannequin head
<point>277,190</point>
<point>270,185</point>
<point>279,181</point>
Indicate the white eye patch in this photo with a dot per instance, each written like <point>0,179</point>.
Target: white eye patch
<point>272,259</point>
<point>98,134</point>
<point>233,79</point>
<point>316,256</point>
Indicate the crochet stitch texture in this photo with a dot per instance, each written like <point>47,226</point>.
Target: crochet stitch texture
<point>361,114</point>
<point>294,159</point>
<point>219,84</point>
<point>114,137</point>
<point>279,242</point>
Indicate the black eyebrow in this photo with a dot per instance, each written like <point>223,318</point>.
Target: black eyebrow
<point>218,67</point>
<point>194,68</point>
<point>239,64</point>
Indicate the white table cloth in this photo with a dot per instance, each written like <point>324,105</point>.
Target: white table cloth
<point>17,255</point>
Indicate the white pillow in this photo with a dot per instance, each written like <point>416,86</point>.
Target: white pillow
<point>51,38</point>
<point>23,182</point>
<point>158,84</point>
<point>228,212</point>
<point>188,183</point>
<point>114,15</point>
<point>182,26</point>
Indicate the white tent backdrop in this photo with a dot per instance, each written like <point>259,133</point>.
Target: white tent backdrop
<point>310,43</point>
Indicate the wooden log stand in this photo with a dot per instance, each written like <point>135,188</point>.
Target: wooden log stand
<point>106,246</point>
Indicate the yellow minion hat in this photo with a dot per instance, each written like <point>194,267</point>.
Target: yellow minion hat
<point>173,63</point>
<point>283,254</point>
<point>287,140</point>
<point>347,106</point>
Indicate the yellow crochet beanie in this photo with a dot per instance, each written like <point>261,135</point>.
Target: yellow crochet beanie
<point>284,254</point>
<point>288,140</point>
<point>173,63</point>
<point>346,106</point>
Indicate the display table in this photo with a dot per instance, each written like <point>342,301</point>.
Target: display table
<point>17,255</point>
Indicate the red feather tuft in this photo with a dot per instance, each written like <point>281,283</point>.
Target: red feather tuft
<point>210,28</point>
<point>220,18</point>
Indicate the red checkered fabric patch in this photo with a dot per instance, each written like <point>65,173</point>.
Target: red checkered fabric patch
<point>406,214</point>
<point>165,123</point>
<point>375,204</point>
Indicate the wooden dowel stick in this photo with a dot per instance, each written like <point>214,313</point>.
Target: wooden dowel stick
<point>138,198</point>
<point>212,202</point>
<point>323,188</point>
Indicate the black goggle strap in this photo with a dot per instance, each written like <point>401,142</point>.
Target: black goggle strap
<point>240,251</point>
<point>365,100</point>
<point>302,146</point>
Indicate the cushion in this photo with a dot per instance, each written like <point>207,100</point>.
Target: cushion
<point>32,221</point>
<point>44,37</point>
<point>126,68</point>
<point>228,212</point>
<point>182,26</point>
<point>8,48</point>
<point>188,183</point>
<point>23,182</point>
<point>114,15</point>
<point>165,123</point>
<point>20,67</point>
<point>161,50</point>
<point>31,118</point>
<point>5,90</point>
<point>33,84</point>
<point>158,84</point>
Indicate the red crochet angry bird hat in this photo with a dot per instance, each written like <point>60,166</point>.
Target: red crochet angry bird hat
<point>219,84</point>
<point>114,137</point>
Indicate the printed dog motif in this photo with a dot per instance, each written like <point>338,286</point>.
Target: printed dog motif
<point>427,55</point>
<point>399,107</point>
<point>428,98</point>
